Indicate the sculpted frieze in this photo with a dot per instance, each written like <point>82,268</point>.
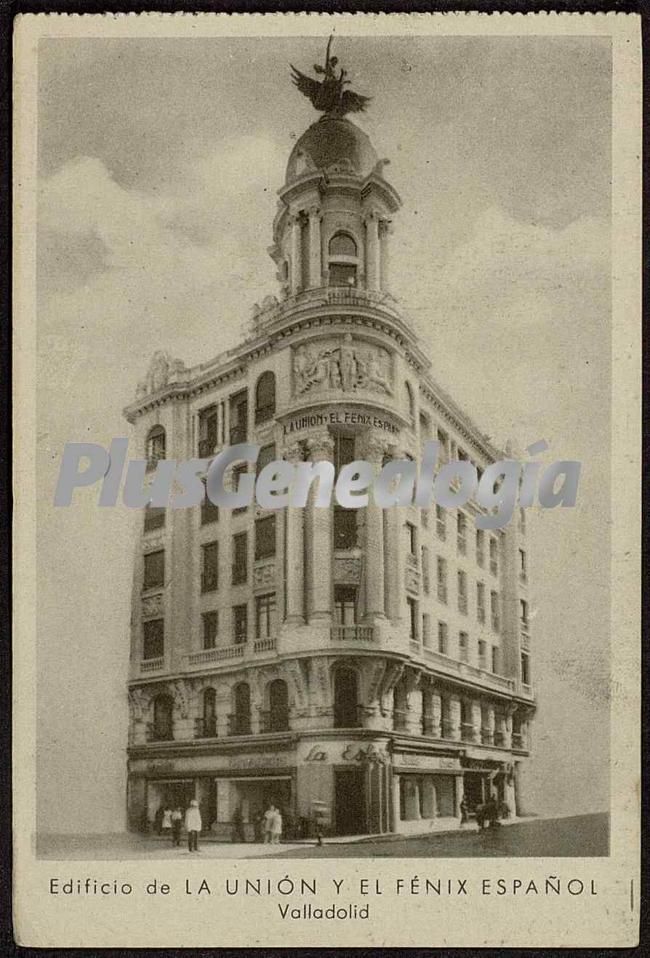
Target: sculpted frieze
<point>343,365</point>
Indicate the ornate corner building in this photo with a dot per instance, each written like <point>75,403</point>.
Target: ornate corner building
<point>372,664</point>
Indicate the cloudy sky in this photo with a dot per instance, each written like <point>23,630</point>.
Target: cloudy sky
<point>159,162</point>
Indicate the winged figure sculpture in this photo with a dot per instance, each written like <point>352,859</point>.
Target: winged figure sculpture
<point>329,94</point>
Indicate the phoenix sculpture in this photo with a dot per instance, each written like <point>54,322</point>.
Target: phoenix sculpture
<point>330,95</point>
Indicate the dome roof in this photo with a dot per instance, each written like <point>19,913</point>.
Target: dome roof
<point>332,142</point>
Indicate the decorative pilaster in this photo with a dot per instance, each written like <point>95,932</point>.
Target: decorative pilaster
<point>374,541</point>
<point>372,250</point>
<point>296,264</point>
<point>489,725</point>
<point>454,718</point>
<point>476,716</point>
<point>319,538</point>
<point>385,229</point>
<point>315,265</point>
<point>295,552</point>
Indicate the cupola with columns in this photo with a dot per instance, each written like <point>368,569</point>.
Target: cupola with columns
<point>335,208</point>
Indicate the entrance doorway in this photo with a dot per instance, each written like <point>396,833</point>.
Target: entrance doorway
<point>167,794</point>
<point>475,789</point>
<point>349,801</point>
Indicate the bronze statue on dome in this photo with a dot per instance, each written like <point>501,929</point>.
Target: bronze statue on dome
<point>329,96</point>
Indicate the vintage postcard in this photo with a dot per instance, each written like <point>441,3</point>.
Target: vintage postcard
<point>327,389</point>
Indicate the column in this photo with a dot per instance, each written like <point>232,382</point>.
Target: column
<point>226,422</point>
<point>475,713</point>
<point>372,250</point>
<point>508,730</point>
<point>296,264</point>
<point>294,563</point>
<point>315,268</point>
<point>436,714</point>
<point>460,791</point>
<point>429,809</point>
<point>374,541</point>
<point>489,725</point>
<point>385,230</point>
<point>454,718</point>
<point>319,539</point>
<point>223,800</point>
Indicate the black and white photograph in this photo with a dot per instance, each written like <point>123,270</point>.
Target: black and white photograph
<point>275,272</point>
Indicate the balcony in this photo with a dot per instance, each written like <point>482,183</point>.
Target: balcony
<point>264,645</point>
<point>152,665</point>
<point>162,733</point>
<point>467,733</point>
<point>205,727</point>
<point>352,633</point>
<point>518,740</point>
<point>274,720</point>
<point>447,728</point>
<point>206,656</point>
<point>487,736</point>
<point>400,723</point>
<point>462,669</point>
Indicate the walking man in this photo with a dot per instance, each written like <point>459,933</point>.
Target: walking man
<point>193,825</point>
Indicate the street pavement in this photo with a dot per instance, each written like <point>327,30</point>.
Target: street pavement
<point>581,836</point>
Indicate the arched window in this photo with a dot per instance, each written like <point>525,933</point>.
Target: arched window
<point>343,261</point>
<point>156,446</point>
<point>346,703</point>
<point>400,705</point>
<point>240,720</point>
<point>342,244</point>
<point>209,713</point>
<point>410,401</point>
<point>265,397</point>
<point>163,707</point>
<point>278,706</point>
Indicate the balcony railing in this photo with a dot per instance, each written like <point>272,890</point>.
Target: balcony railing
<point>205,656</point>
<point>274,720</point>
<point>487,736</point>
<point>159,733</point>
<point>467,732</point>
<point>447,728</point>
<point>400,722</point>
<point>265,645</point>
<point>152,665</point>
<point>352,633</point>
<point>518,740</point>
<point>205,727</point>
<point>429,727</point>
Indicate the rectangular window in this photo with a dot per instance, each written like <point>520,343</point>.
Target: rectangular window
<point>462,591</point>
<point>265,537</point>
<point>235,478</point>
<point>442,579</point>
<point>424,565</point>
<point>154,518</point>
<point>240,624</point>
<point>342,274</point>
<point>443,638</point>
<point>480,601</point>
<point>210,629</point>
<point>267,455</point>
<point>480,548</point>
<point>345,604</point>
<point>443,452</point>
<point>208,432</point>
<point>495,659</point>
<point>461,537</point>
<point>413,619</point>
<point>482,653</point>
<point>463,646</point>
<point>494,610</point>
<point>153,636</point>
<point>209,511</point>
<point>441,523</point>
<point>525,668</point>
<point>494,556</point>
<point>154,570</point>
<point>238,418</point>
<point>265,616</point>
<point>411,539</point>
<point>523,566</point>
<point>239,558</point>
<point>345,528</point>
<point>210,567</point>
<point>523,613</point>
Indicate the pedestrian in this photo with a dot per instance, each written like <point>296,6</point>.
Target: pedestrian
<point>166,823</point>
<point>258,824</point>
<point>464,810</point>
<point>276,826</point>
<point>193,825</point>
<point>177,824</point>
<point>239,833</point>
<point>269,816</point>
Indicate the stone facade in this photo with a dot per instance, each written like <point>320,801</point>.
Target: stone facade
<point>366,667</point>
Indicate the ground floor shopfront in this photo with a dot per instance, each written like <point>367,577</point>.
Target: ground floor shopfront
<point>336,783</point>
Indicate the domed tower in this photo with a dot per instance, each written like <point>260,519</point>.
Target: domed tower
<point>335,207</point>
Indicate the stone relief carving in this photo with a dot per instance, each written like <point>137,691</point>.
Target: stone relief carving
<point>181,691</point>
<point>152,605</point>
<point>345,366</point>
<point>163,369</point>
<point>411,579</point>
<point>138,702</point>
